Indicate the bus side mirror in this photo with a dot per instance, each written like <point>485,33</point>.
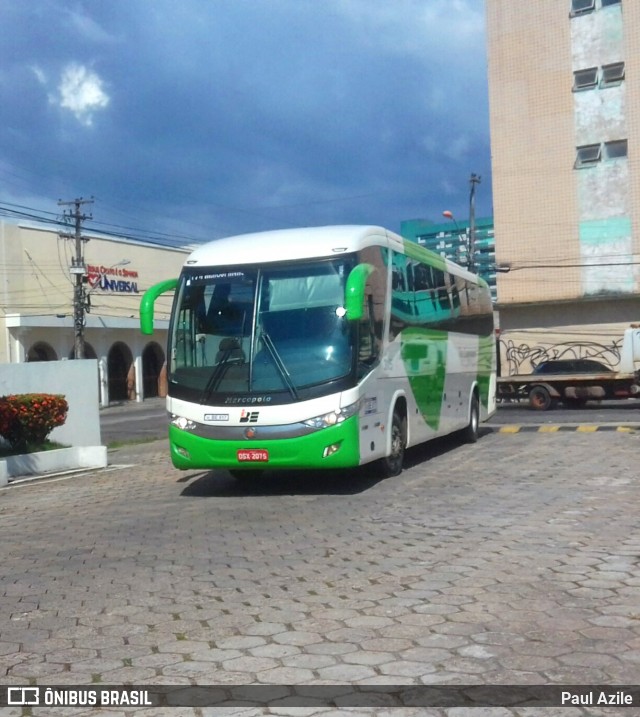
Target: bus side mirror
<point>354,291</point>
<point>149,299</point>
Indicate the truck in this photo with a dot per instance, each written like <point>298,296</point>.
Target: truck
<point>573,382</point>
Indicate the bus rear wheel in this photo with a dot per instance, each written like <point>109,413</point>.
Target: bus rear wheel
<point>471,432</point>
<point>391,465</point>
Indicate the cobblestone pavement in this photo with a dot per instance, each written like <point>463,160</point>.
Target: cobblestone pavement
<point>514,561</point>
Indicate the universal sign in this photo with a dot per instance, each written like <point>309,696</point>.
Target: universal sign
<point>112,278</point>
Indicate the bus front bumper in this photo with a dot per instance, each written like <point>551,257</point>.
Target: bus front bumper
<point>332,447</point>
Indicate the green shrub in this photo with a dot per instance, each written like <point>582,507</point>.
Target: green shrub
<point>28,418</point>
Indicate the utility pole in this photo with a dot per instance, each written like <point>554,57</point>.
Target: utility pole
<point>475,179</point>
<point>79,270</point>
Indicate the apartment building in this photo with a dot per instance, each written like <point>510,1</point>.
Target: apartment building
<point>564,89</point>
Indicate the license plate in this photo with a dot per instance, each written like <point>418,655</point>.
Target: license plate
<point>253,455</point>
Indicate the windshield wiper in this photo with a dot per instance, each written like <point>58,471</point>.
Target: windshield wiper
<point>279,363</point>
<point>228,346</point>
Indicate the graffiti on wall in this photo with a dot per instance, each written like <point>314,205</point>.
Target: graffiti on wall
<point>519,357</point>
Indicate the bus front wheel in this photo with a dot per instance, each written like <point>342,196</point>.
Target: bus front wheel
<point>391,465</point>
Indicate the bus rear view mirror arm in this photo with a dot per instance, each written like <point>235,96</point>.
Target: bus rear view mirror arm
<point>354,291</point>
<point>149,299</point>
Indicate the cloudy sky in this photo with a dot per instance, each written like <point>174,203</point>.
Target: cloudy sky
<point>205,118</point>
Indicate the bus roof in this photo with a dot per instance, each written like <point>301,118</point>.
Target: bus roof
<point>308,243</point>
<point>286,244</point>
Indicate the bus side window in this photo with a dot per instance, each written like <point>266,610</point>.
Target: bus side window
<point>397,280</point>
<point>455,295</point>
<point>463,293</point>
<point>424,284</point>
<point>411,267</point>
<point>441,288</point>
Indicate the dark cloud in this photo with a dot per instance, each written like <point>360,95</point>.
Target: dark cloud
<point>229,116</point>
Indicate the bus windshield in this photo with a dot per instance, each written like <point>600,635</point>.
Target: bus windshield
<point>241,331</point>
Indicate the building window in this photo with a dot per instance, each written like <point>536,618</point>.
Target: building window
<point>606,3</point>
<point>579,7</point>
<point>587,155</point>
<point>616,149</point>
<point>612,75</point>
<point>585,79</point>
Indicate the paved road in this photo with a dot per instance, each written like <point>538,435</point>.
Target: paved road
<point>514,561</point>
<point>135,422</point>
<point>621,412</point>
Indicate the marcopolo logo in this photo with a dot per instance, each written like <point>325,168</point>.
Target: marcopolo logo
<point>239,400</point>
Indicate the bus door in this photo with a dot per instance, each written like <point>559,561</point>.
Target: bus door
<point>370,342</point>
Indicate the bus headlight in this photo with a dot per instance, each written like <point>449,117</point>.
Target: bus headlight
<point>184,424</point>
<point>333,417</point>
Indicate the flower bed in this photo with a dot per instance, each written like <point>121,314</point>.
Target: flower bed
<point>25,422</point>
<point>27,419</point>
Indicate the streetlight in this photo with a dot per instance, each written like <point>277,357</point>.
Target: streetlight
<point>471,233</point>
<point>449,215</point>
<point>474,179</point>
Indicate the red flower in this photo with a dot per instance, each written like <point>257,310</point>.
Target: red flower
<point>29,418</point>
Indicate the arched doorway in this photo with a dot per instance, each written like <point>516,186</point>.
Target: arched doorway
<point>121,373</point>
<point>152,363</point>
<point>89,352</point>
<point>41,351</point>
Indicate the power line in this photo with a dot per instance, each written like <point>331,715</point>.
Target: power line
<point>20,211</point>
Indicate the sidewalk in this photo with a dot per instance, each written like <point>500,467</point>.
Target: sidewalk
<point>133,406</point>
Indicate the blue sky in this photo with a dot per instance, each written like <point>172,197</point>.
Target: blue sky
<point>205,118</point>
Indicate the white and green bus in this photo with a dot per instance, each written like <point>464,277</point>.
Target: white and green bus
<point>325,347</point>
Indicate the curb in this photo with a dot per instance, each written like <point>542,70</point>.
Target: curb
<point>550,428</point>
<point>52,462</point>
<point>62,475</point>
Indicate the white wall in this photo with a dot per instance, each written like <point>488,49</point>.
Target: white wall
<point>77,381</point>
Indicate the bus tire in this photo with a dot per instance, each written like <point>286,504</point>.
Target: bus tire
<point>471,432</point>
<point>540,398</point>
<point>391,465</point>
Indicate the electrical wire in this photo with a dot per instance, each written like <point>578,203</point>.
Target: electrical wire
<point>19,211</point>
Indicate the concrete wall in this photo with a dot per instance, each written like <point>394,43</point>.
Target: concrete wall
<point>77,381</point>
